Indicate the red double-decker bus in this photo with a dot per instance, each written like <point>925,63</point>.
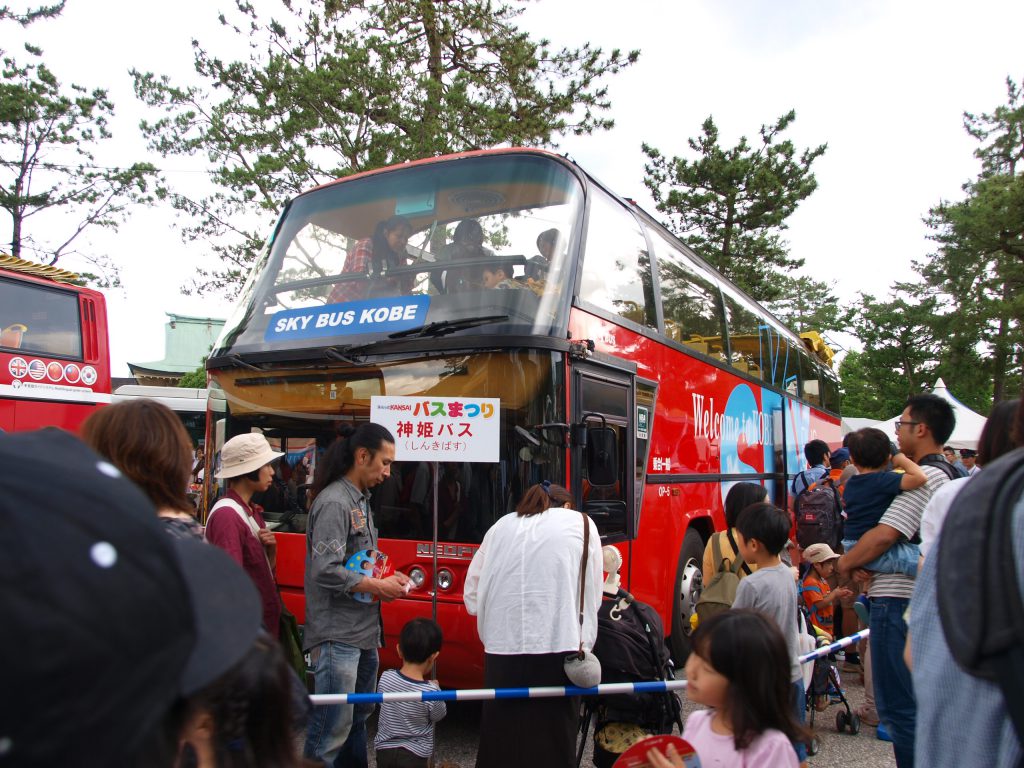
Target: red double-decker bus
<point>623,367</point>
<point>54,354</point>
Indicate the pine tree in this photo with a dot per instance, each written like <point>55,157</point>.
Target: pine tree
<point>337,87</point>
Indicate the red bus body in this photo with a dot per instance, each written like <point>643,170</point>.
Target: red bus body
<point>54,353</point>
<point>691,412</point>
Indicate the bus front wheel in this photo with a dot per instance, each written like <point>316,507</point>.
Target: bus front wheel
<point>689,583</point>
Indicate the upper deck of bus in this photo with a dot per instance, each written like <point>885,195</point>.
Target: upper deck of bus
<point>54,358</point>
<point>610,258</point>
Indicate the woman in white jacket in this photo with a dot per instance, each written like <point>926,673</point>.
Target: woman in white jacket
<point>524,588</point>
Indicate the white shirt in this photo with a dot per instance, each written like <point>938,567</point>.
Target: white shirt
<point>935,512</point>
<point>523,584</point>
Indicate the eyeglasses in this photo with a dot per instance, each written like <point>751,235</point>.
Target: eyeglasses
<point>905,423</point>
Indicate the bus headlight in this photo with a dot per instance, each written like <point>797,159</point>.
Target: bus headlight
<point>445,579</point>
<point>417,576</point>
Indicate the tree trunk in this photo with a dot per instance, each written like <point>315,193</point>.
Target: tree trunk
<point>434,64</point>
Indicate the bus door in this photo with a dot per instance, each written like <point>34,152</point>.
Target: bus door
<point>603,448</point>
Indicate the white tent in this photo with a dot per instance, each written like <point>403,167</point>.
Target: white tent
<point>853,423</point>
<point>968,423</point>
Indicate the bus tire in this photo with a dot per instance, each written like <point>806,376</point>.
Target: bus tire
<point>688,585</point>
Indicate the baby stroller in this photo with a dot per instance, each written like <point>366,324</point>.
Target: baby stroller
<point>631,647</point>
<point>826,688</point>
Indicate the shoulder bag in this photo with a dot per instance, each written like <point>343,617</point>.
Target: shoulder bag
<point>583,668</point>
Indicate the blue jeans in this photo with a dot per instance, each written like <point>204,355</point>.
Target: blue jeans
<point>337,733</point>
<point>901,557</point>
<point>894,689</point>
<point>798,698</point>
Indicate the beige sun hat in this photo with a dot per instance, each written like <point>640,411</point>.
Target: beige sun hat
<point>818,553</point>
<point>245,453</point>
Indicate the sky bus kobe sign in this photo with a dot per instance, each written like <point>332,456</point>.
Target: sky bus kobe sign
<point>349,318</point>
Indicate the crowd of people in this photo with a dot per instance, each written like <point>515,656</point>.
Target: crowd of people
<point>129,657</point>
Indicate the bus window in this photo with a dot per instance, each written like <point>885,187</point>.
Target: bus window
<point>830,391</point>
<point>616,266</point>
<point>781,360</point>
<point>810,380</point>
<point>690,301</point>
<point>746,351</point>
<point>46,320</point>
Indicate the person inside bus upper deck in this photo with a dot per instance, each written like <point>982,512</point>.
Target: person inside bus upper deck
<point>372,257</point>
<point>467,243</point>
<point>499,276</point>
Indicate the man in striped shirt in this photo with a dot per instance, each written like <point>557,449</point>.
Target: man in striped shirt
<point>924,426</point>
<point>405,730</point>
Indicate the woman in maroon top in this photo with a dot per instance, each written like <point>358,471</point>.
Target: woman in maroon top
<point>236,525</point>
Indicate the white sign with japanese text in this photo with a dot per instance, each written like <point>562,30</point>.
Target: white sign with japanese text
<point>441,428</point>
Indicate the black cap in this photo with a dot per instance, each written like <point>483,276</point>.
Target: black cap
<point>107,619</point>
<point>968,453</point>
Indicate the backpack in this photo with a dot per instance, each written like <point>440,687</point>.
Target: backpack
<point>979,594</point>
<point>817,509</point>
<point>939,462</point>
<point>720,592</point>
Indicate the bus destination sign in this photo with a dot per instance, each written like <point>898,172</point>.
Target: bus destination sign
<point>440,428</point>
<point>349,318</point>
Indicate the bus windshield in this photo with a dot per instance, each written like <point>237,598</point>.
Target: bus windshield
<point>40,320</point>
<point>481,241</point>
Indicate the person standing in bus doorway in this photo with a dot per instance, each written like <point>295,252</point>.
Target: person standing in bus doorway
<point>343,627</point>
<point>924,426</point>
<point>236,524</point>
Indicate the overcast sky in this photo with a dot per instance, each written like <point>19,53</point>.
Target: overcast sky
<point>884,84</point>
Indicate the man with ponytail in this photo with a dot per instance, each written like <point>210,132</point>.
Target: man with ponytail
<point>343,632</point>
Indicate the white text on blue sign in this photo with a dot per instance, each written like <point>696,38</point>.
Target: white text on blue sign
<point>349,318</point>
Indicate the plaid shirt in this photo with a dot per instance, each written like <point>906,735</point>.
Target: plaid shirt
<point>357,261</point>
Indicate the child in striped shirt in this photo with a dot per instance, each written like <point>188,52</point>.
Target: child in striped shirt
<point>405,730</point>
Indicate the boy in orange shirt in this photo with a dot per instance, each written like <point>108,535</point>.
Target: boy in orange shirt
<point>818,597</point>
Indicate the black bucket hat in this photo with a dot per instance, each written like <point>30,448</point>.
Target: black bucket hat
<point>107,620</point>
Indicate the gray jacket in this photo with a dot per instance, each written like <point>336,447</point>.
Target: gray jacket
<point>340,524</point>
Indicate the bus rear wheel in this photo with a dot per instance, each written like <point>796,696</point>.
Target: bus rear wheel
<point>689,583</point>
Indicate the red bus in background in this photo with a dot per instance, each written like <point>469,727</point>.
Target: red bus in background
<point>54,354</point>
<point>624,366</point>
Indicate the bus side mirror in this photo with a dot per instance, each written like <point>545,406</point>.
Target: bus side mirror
<point>602,451</point>
<point>579,435</point>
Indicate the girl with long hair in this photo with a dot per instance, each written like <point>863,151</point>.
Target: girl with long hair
<point>739,668</point>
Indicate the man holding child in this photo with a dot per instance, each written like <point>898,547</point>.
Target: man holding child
<point>924,426</point>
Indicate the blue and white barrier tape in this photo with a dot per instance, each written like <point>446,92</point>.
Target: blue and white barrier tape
<point>486,694</point>
<point>546,692</point>
<point>820,653</point>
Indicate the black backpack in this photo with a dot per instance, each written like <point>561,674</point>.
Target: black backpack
<point>817,509</point>
<point>978,592</point>
<point>939,462</point>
